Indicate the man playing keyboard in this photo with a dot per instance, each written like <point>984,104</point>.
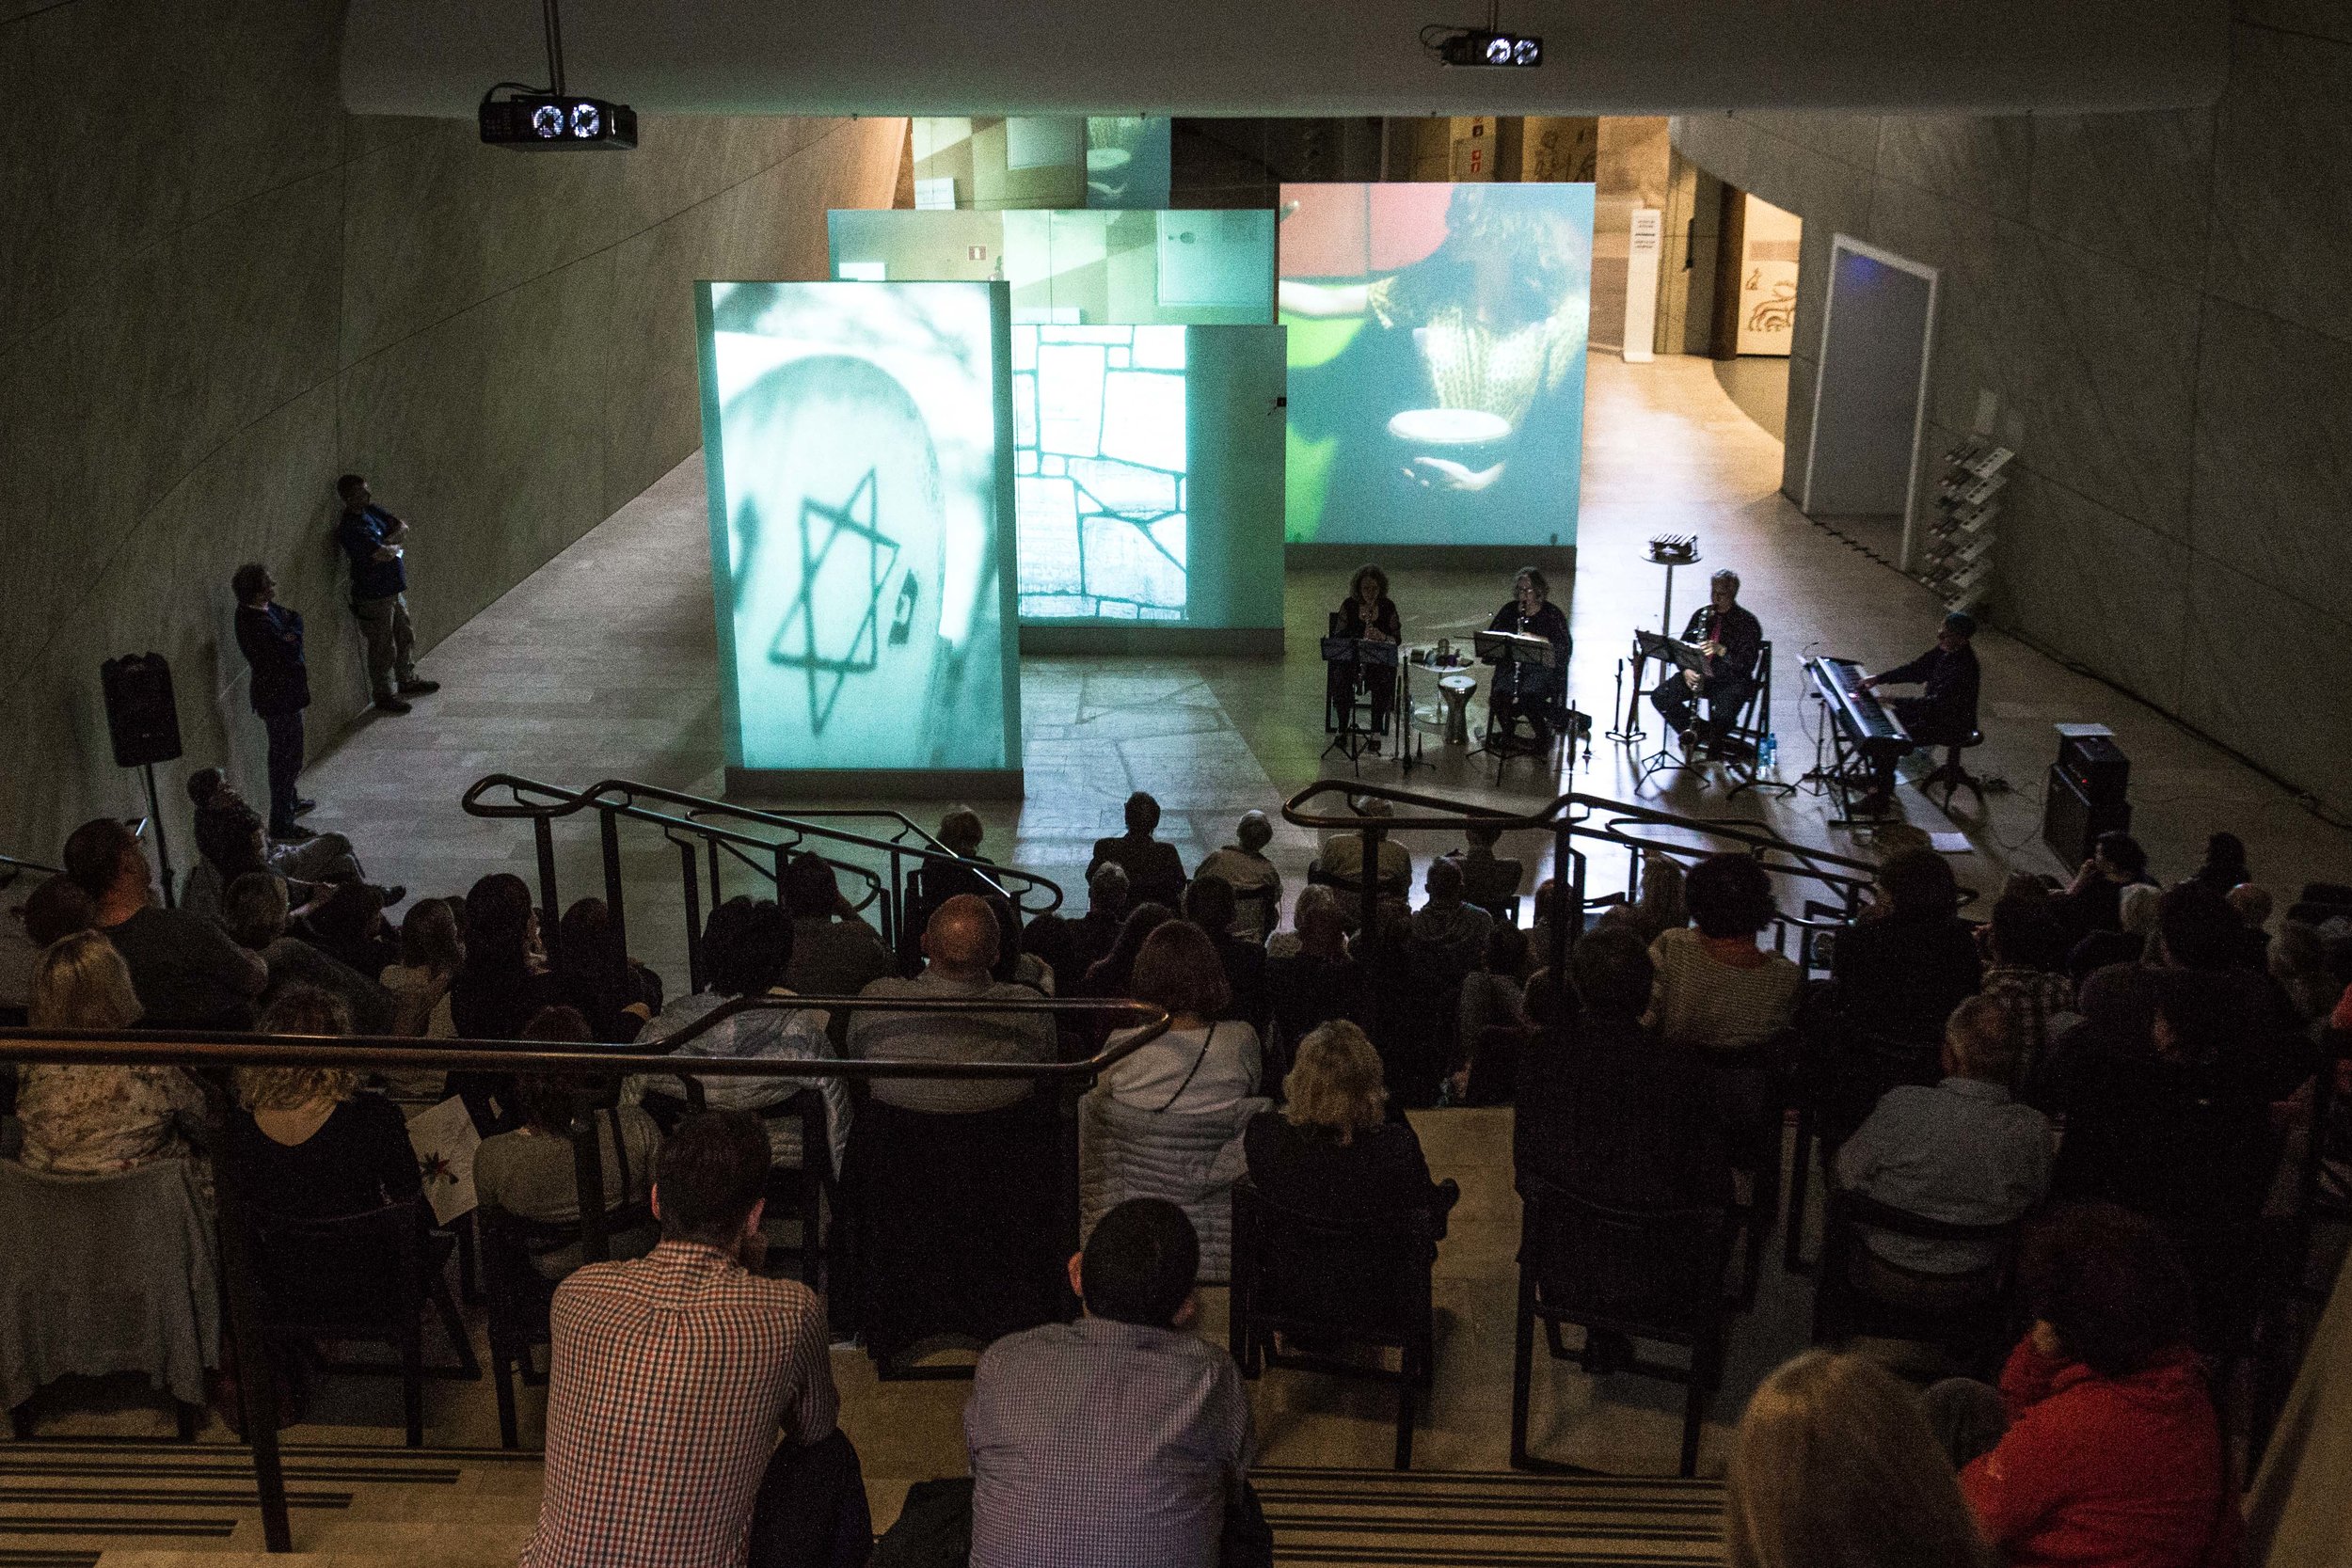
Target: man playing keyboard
<point>1945,714</point>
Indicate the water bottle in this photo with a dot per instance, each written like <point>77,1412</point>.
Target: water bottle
<point>1768,755</point>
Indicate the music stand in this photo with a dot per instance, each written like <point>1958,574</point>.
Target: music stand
<point>1500,648</point>
<point>1349,737</point>
<point>1669,554</point>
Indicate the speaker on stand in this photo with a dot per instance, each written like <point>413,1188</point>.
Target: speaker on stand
<point>143,723</point>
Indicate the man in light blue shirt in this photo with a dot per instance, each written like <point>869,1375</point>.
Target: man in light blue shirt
<point>1962,1151</point>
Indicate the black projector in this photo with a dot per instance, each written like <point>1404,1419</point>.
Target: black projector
<point>547,122</point>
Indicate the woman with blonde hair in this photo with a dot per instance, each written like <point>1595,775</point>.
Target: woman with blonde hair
<point>96,1120</point>
<point>310,1144</point>
<point>1331,1150</point>
<point>1835,1467</point>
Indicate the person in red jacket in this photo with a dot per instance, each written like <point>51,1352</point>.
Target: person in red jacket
<point>2102,1449</point>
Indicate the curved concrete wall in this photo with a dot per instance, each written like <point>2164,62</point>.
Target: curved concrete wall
<point>2159,301</point>
<point>1308,58</point>
<point>219,289</point>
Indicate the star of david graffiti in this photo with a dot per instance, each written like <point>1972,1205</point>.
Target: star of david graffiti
<point>822,530</point>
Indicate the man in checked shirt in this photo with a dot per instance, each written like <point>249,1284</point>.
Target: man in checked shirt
<point>670,1374</point>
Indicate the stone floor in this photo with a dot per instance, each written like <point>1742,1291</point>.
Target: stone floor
<point>601,666</point>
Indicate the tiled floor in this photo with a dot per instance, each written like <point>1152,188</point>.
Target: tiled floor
<point>601,666</point>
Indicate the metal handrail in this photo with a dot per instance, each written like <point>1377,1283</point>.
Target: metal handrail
<point>615,800</point>
<point>217,1053</point>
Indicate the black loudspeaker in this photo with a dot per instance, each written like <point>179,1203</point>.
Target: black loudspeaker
<point>2097,766</point>
<point>142,714</point>
<point>2073,819</point>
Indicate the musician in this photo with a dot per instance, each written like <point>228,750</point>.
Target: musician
<point>1945,714</point>
<point>1528,690</point>
<point>1371,616</point>
<point>1732,640</point>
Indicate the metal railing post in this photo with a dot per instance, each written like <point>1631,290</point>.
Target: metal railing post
<point>588,1173</point>
<point>1567,904</point>
<point>542,841</point>
<point>609,840</point>
<point>688,875</point>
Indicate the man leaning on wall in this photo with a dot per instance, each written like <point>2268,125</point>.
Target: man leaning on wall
<point>369,537</point>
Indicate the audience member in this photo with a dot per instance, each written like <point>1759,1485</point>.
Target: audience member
<point>1257,885</point>
<point>530,1172</point>
<point>961,947</point>
<point>2026,943</point>
<point>2138,908</point>
<point>430,954</point>
<point>835,953</point>
<point>1492,1023</point>
<point>1488,881</point>
<point>504,981</point>
<point>1316,982</point>
<point>1331,1150</point>
<point>2224,867</point>
<point>1833,1464</point>
<point>595,975</point>
<point>270,637</point>
<point>931,884</point>
<point>187,971</point>
<point>1155,874</point>
<point>1900,975</point>
<point>1199,1066</point>
<point>308,1143</point>
<point>2298,961</point>
<point>33,914</point>
<point>1606,1108</point>
<point>370,540</point>
<point>2102,1445</point>
<point>746,952</point>
<point>1449,936</point>
<point>94,1120</point>
<point>56,909</point>
<point>1961,1152</point>
<point>1340,861</point>
<point>229,842</point>
<point>2092,901</point>
<point>669,1377</point>
<point>1209,904</point>
<point>1110,975</point>
<point>348,925</point>
<point>1716,989</point>
<point>255,913</point>
<point>1094,933</point>
<point>1660,908</point>
<point>1051,940</point>
<point>1122,1440</point>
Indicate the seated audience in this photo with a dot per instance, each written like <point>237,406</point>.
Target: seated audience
<point>2102,1445</point>
<point>1716,989</point>
<point>348,925</point>
<point>1331,1150</point>
<point>430,954</point>
<point>1109,975</point>
<point>1340,861</point>
<point>1210,906</point>
<point>931,884</point>
<point>1094,933</point>
<point>2224,867</point>
<point>2298,961</point>
<point>310,1144</point>
<point>1155,874</point>
<point>1901,974</point>
<point>1449,935</point>
<point>95,1120</point>
<point>1488,881</point>
<point>1492,999</point>
<point>2138,908</point>
<point>2024,942</point>
<point>255,913</point>
<point>1200,1066</point>
<point>229,842</point>
<point>835,953</point>
<point>960,945</point>
<point>746,952</point>
<point>1833,1466</point>
<point>2092,901</point>
<point>1660,908</point>
<point>1316,981</point>
<point>670,1376</point>
<point>1051,940</point>
<point>187,971</point>
<point>1257,885</point>
<point>1122,1440</point>
<point>595,976</point>
<point>1606,1107</point>
<point>1962,1152</point>
<point>504,981</point>
<point>530,1173</point>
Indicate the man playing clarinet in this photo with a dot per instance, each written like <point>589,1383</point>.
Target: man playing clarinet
<point>1529,690</point>
<point>1731,641</point>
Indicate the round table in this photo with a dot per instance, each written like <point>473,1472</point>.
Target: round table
<point>1456,690</point>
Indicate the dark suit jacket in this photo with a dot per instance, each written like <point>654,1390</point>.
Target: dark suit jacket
<point>271,640</point>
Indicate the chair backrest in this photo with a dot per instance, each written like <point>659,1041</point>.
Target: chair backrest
<point>1366,1278</point>
<point>1655,1272</point>
<point>1851,1211</point>
<point>365,1270</point>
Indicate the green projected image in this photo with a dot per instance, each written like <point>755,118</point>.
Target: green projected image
<point>858,446</point>
<point>1437,361</point>
<point>1076,268</point>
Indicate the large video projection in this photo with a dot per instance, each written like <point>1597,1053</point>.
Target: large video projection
<point>1077,268</point>
<point>1437,361</point>
<point>859,445</point>
<point>1149,464</point>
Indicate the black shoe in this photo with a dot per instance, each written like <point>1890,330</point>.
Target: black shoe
<point>1878,803</point>
<point>419,688</point>
<point>393,894</point>
<point>304,808</point>
<point>391,704</point>
<point>293,832</point>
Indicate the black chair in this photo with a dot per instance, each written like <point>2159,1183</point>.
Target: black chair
<point>1954,776</point>
<point>1329,1282</point>
<point>1971,1318</point>
<point>1751,1102</point>
<point>1839,1082</point>
<point>1644,1274</point>
<point>368,1277</point>
<point>809,1189</point>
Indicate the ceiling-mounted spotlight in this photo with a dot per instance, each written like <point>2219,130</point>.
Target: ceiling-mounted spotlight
<point>547,118</point>
<point>1489,45</point>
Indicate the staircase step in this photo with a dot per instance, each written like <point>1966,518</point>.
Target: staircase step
<point>1488,1519</point>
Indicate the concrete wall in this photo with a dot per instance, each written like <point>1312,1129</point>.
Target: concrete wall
<point>219,289</point>
<point>2160,302</point>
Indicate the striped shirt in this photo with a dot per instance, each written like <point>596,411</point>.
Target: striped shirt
<point>667,1380</point>
<point>1700,1000</point>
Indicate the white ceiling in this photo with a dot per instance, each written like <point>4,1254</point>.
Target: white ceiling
<point>1294,58</point>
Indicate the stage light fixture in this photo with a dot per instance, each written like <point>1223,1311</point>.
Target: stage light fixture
<point>1482,46</point>
<point>541,119</point>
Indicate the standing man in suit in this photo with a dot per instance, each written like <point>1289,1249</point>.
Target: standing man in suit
<point>270,637</point>
<point>369,537</point>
